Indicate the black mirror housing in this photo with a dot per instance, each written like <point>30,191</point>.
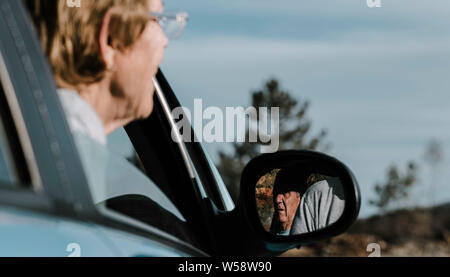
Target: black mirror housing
<point>321,163</point>
<point>242,231</point>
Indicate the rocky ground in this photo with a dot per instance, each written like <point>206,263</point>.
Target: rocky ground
<point>404,233</point>
<point>355,245</point>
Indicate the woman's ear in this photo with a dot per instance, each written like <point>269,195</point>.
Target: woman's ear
<point>107,51</point>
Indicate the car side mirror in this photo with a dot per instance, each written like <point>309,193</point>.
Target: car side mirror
<point>296,197</point>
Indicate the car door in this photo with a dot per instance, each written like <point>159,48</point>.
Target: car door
<point>60,171</point>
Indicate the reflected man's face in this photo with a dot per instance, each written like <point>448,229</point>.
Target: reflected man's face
<point>286,205</point>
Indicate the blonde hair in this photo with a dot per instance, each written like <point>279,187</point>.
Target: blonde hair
<point>69,35</point>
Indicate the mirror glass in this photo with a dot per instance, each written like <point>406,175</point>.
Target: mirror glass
<point>296,200</point>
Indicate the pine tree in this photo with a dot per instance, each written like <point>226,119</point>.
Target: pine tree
<point>294,133</point>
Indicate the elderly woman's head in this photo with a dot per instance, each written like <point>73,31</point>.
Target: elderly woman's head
<point>107,50</point>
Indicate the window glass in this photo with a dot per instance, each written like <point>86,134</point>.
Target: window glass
<point>119,185</point>
<point>119,143</point>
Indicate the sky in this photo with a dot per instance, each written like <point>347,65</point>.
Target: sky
<point>377,78</point>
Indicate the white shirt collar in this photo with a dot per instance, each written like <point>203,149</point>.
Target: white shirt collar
<point>81,116</point>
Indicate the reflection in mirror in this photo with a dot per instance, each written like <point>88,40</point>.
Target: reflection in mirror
<point>292,201</point>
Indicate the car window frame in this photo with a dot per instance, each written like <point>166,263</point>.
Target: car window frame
<point>15,61</point>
